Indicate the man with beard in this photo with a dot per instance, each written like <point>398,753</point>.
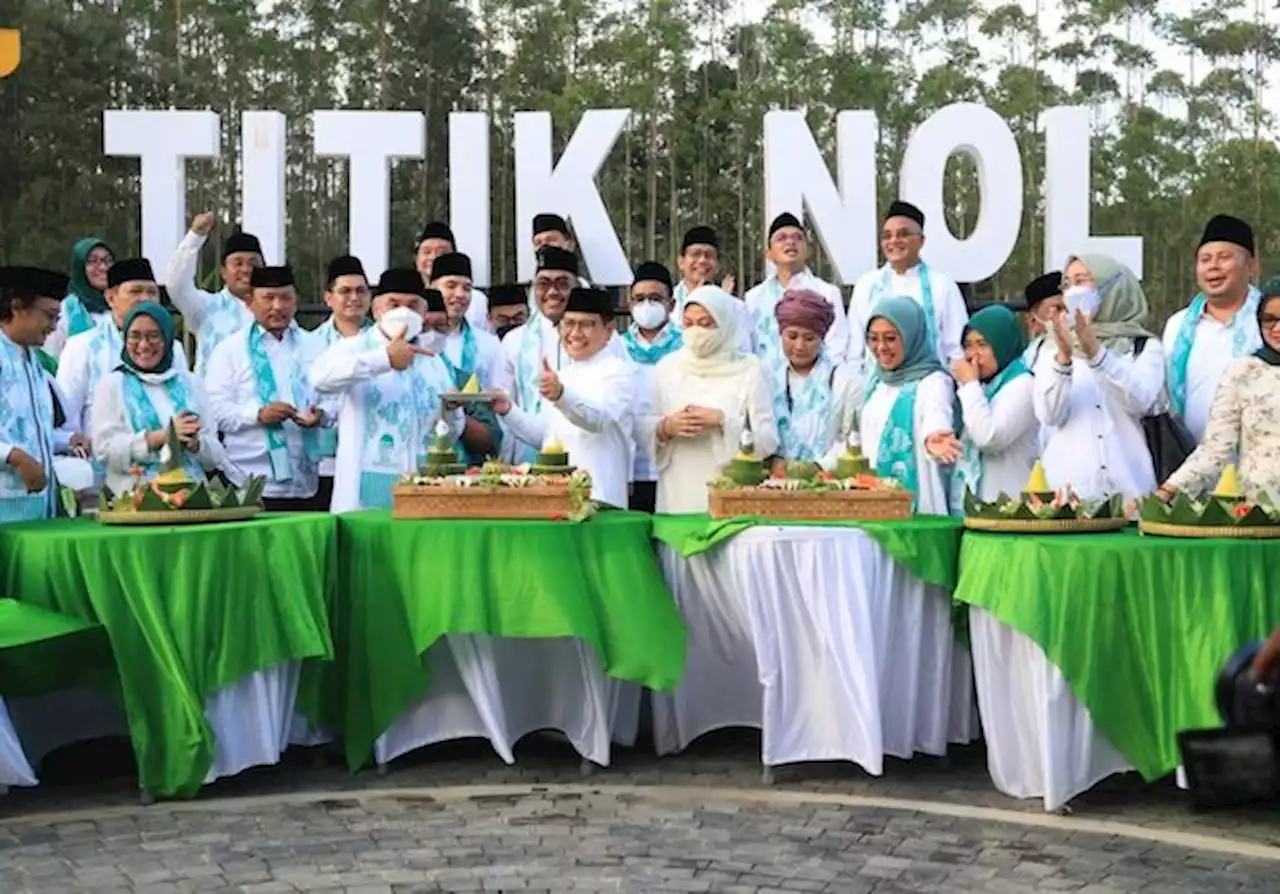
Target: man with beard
<point>212,317</point>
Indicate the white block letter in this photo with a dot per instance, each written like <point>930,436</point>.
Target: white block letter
<point>569,189</point>
<point>796,178</point>
<point>262,160</point>
<point>163,141</point>
<point>370,140</point>
<point>1068,192</point>
<point>983,136</point>
<point>469,190</point>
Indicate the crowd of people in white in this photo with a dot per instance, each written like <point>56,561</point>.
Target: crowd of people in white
<point>938,400</point>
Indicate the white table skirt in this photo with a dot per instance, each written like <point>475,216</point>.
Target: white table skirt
<point>502,689</point>
<point>819,639</point>
<point>15,769</point>
<point>250,720</point>
<point>1041,741</point>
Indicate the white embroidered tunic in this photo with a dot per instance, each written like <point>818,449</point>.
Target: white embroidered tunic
<point>210,316</point>
<point>26,423</point>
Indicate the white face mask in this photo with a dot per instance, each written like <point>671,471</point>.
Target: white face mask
<point>702,342</point>
<point>432,340</point>
<point>399,318</point>
<point>1082,298</point>
<point>649,314</point>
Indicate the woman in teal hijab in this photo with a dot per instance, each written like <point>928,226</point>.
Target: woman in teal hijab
<point>999,437</point>
<point>907,425</point>
<point>135,403</point>
<point>86,303</point>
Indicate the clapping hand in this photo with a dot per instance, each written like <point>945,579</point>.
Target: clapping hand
<point>963,372</point>
<point>549,385</point>
<point>944,446</point>
<point>1085,334</point>
<point>1061,337</point>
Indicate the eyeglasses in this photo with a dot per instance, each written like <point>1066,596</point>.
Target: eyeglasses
<point>98,261</point>
<point>788,236</point>
<point>579,325</point>
<point>542,286</point>
<point>898,234</point>
<point>649,296</point>
<point>1266,321</point>
<point>150,338</point>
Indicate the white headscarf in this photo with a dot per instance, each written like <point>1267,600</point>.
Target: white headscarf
<point>725,359</point>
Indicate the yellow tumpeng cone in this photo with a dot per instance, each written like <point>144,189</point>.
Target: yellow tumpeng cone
<point>10,51</point>
<point>1229,484</point>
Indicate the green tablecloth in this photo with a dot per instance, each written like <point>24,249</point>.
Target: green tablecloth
<point>1139,626</point>
<point>407,583</point>
<point>188,609</point>
<point>926,545</point>
<point>42,651</point>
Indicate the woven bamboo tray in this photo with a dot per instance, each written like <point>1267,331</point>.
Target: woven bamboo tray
<point>1234,532</point>
<point>832,505</point>
<point>180,516</point>
<point>434,501</point>
<point>1046,525</point>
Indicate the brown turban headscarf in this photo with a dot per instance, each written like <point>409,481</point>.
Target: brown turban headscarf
<point>806,309</point>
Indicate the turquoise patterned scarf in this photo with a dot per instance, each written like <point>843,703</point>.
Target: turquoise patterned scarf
<point>648,353</point>
<point>268,392</point>
<point>1245,339</point>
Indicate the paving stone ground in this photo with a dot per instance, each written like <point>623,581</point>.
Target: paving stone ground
<point>363,834</point>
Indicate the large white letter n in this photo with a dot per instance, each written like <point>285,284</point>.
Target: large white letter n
<point>569,189</point>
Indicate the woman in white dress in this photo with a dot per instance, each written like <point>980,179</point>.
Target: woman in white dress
<point>1099,375</point>
<point>999,436</point>
<point>816,403</point>
<point>705,395</point>
<point>907,424</point>
<point>1244,418</point>
<point>134,403</point>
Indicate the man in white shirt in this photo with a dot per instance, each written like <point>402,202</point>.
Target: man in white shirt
<point>390,389</point>
<point>1220,325</point>
<point>348,296</point>
<point>589,403</point>
<point>904,274</point>
<point>699,264</point>
<point>468,351</point>
<point>788,251</point>
<point>211,317</point>
<point>437,239</point>
<point>262,400</point>
<point>90,355</point>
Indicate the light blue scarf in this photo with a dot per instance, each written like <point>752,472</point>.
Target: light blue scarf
<point>1245,339</point>
<point>26,421</point>
<point>648,353</point>
<point>881,289</point>
<point>804,414</point>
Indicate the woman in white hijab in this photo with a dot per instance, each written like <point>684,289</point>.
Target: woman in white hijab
<point>705,395</point>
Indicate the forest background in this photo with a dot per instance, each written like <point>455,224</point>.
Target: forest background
<point>1182,108</point>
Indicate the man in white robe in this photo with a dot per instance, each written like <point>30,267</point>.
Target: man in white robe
<point>348,296</point>
<point>390,390</point>
<point>213,316</point>
<point>91,355</point>
<point>262,400</point>
<point>29,304</point>
<point>528,346</point>
<point>588,405</point>
<point>904,274</point>
<point>699,264</point>
<point>788,251</point>
<point>468,351</point>
<point>1220,324</point>
<point>437,239</point>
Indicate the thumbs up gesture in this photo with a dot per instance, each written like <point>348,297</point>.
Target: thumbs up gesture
<point>549,383</point>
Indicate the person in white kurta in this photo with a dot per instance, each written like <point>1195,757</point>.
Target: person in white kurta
<point>1000,437</point>
<point>907,424</point>
<point>389,389</point>
<point>89,356</point>
<point>1220,325</point>
<point>526,347</point>
<point>788,251</point>
<point>904,274</point>
<point>589,405</point>
<point>816,403</point>
<point>262,400</point>
<point>1094,387</point>
<point>136,401</point>
<point>213,316</point>
<point>705,395</point>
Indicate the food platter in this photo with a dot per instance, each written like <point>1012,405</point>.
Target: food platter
<point>180,516</point>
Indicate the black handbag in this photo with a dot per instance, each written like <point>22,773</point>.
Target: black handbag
<point>1168,440</point>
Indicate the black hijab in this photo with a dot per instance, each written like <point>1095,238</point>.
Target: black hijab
<point>1266,353</point>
